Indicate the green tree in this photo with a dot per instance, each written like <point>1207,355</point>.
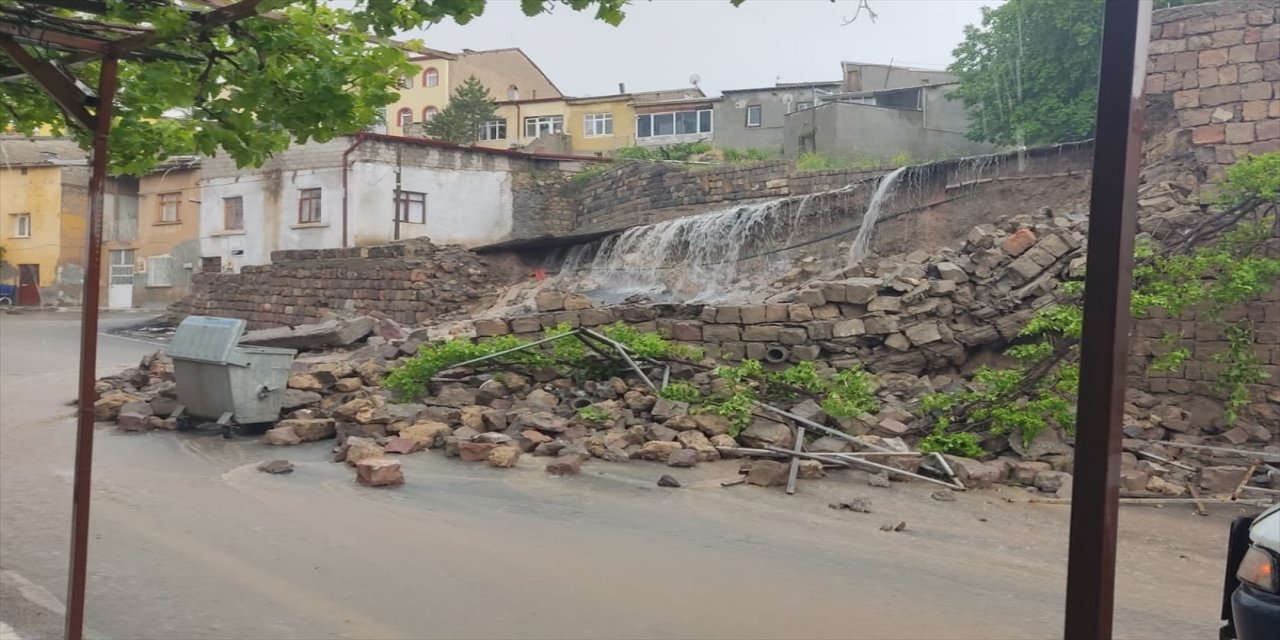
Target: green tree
<point>305,71</point>
<point>460,121</point>
<point>1029,71</point>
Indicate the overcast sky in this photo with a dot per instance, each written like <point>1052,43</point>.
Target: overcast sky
<point>662,42</point>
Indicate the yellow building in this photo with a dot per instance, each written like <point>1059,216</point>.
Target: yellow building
<point>509,74</point>
<point>43,207</point>
<point>600,124</point>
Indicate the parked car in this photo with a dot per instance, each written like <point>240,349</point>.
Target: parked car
<point>1251,590</point>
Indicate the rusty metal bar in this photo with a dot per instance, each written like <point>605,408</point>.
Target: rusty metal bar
<point>1091,561</point>
<point>82,488</point>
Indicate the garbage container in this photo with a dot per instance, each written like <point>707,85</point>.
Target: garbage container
<point>218,380</point>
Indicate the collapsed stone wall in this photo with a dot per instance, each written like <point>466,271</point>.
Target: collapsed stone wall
<point>411,282</point>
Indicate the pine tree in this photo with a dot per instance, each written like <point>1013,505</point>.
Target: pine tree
<point>469,107</point>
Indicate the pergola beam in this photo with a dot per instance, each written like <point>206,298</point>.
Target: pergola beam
<point>52,80</point>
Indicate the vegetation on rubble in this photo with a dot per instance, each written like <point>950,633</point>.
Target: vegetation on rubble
<point>1218,265</point>
<point>680,151</point>
<point>594,415</point>
<point>734,155</point>
<point>681,392</point>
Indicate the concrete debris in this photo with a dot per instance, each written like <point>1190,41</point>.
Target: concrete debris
<point>856,505</point>
<point>337,332</point>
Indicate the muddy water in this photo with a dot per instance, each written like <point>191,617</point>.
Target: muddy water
<point>191,542</point>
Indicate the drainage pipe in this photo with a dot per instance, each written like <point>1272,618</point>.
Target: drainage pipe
<point>360,138</point>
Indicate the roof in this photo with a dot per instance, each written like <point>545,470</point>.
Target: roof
<point>26,151</point>
<point>647,97</point>
<point>890,66</point>
<point>787,85</point>
<point>440,144</point>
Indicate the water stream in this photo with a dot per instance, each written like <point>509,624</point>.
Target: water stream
<point>862,242</point>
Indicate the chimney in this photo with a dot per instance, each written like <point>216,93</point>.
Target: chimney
<point>622,88</point>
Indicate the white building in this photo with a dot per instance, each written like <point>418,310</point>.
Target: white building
<point>342,194</point>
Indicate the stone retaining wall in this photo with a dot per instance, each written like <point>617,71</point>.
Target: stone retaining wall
<point>411,282</point>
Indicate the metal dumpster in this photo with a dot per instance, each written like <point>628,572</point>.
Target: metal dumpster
<point>218,380</point>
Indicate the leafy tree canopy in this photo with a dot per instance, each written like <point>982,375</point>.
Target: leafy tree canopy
<point>469,106</point>
<point>306,71</point>
<point>1031,67</point>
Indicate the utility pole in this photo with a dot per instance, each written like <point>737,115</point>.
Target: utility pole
<point>399,202</point>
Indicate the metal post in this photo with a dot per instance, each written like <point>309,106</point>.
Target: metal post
<point>89,356</point>
<point>398,196</point>
<point>1091,562</point>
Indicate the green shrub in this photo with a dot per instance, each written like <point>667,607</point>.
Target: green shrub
<point>681,392</point>
<point>594,415</point>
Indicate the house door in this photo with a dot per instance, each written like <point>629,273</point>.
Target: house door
<point>120,280</point>
<point>29,285</point>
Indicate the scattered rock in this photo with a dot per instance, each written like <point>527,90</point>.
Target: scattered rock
<point>379,472</point>
<point>362,449</point>
<point>475,451</point>
<point>276,466</point>
<point>811,470</point>
<point>857,505</point>
<point>768,473</point>
<point>880,480</point>
<point>311,430</point>
<point>338,332</point>
<point>1221,479</point>
<point>281,436</point>
<point>762,433</point>
<point>403,445</point>
<point>943,495</point>
<point>134,416</point>
<point>429,434</point>
<point>901,525</point>
<point>659,450</point>
<point>681,457</point>
<point>664,409</point>
<point>565,465</point>
<point>668,481</point>
<point>1051,481</point>
<point>503,457</point>
<point>975,475</point>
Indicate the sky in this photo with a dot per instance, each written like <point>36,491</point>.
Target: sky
<point>661,43</point>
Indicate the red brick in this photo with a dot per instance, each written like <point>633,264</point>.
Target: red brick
<point>1209,134</point>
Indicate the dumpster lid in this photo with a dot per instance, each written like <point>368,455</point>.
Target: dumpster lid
<point>207,339</point>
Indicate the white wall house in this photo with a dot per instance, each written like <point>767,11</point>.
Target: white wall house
<point>301,198</point>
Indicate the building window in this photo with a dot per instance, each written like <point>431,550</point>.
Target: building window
<point>595,125</point>
<point>431,77</point>
<point>404,117</point>
<point>406,82</point>
<point>169,206</point>
<point>540,125</point>
<point>22,225</point>
<point>160,271</point>
<point>755,115</point>
<point>494,129</point>
<point>233,213</point>
<point>653,125</point>
<point>411,207</point>
<point>308,206</point>
<point>801,106</point>
<point>428,113</point>
<point>211,264</point>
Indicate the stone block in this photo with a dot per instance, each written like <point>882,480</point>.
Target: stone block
<point>889,304</point>
<point>549,301</point>
<point>847,328</point>
<point>1242,53</point>
<point>1213,58</point>
<point>819,330</point>
<point>576,302</point>
<point>721,333</point>
<point>1221,479</point>
<point>1256,91</point>
<point>1267,130</point>
<point>379,472</point>
<point>1239,133</point>
<point>493,327</point>
<point>1026,268</point>
<point>753,314</point>
<point>862,290</point>
<point>760,333</point>
<point>1253,111</point>
<point>1207,77</point>
<point>776,313</point>
<point>686,331</point>
<point>1249,72</point>
<point>833,292</point>
<point>792,335</point>
<point>799,313</point>
<point>1228,38</point>
<point>597,317</point>
<point>475,451</point>
<point>728,315</point>
<point>1018,242</point>
<point>805,352</point>
<point>1209,134</point>
<point>826,312</point>
<point>923,333</point>
<point>566,465</point>
<point>527,324</point>
<point>880,325</point>
<point>1214,96</point>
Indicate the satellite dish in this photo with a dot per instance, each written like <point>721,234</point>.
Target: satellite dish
<point>695,79</point>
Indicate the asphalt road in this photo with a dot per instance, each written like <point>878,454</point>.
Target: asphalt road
<point>189,541</point>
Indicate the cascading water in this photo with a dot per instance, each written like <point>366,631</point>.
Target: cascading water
<point>694,258</point>
<point>862,242</point>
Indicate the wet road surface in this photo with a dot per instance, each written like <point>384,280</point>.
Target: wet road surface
<point>190,541</point>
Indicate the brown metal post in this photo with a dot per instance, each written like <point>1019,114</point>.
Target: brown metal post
<point>1104,349</point>
<point>81,492</point>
